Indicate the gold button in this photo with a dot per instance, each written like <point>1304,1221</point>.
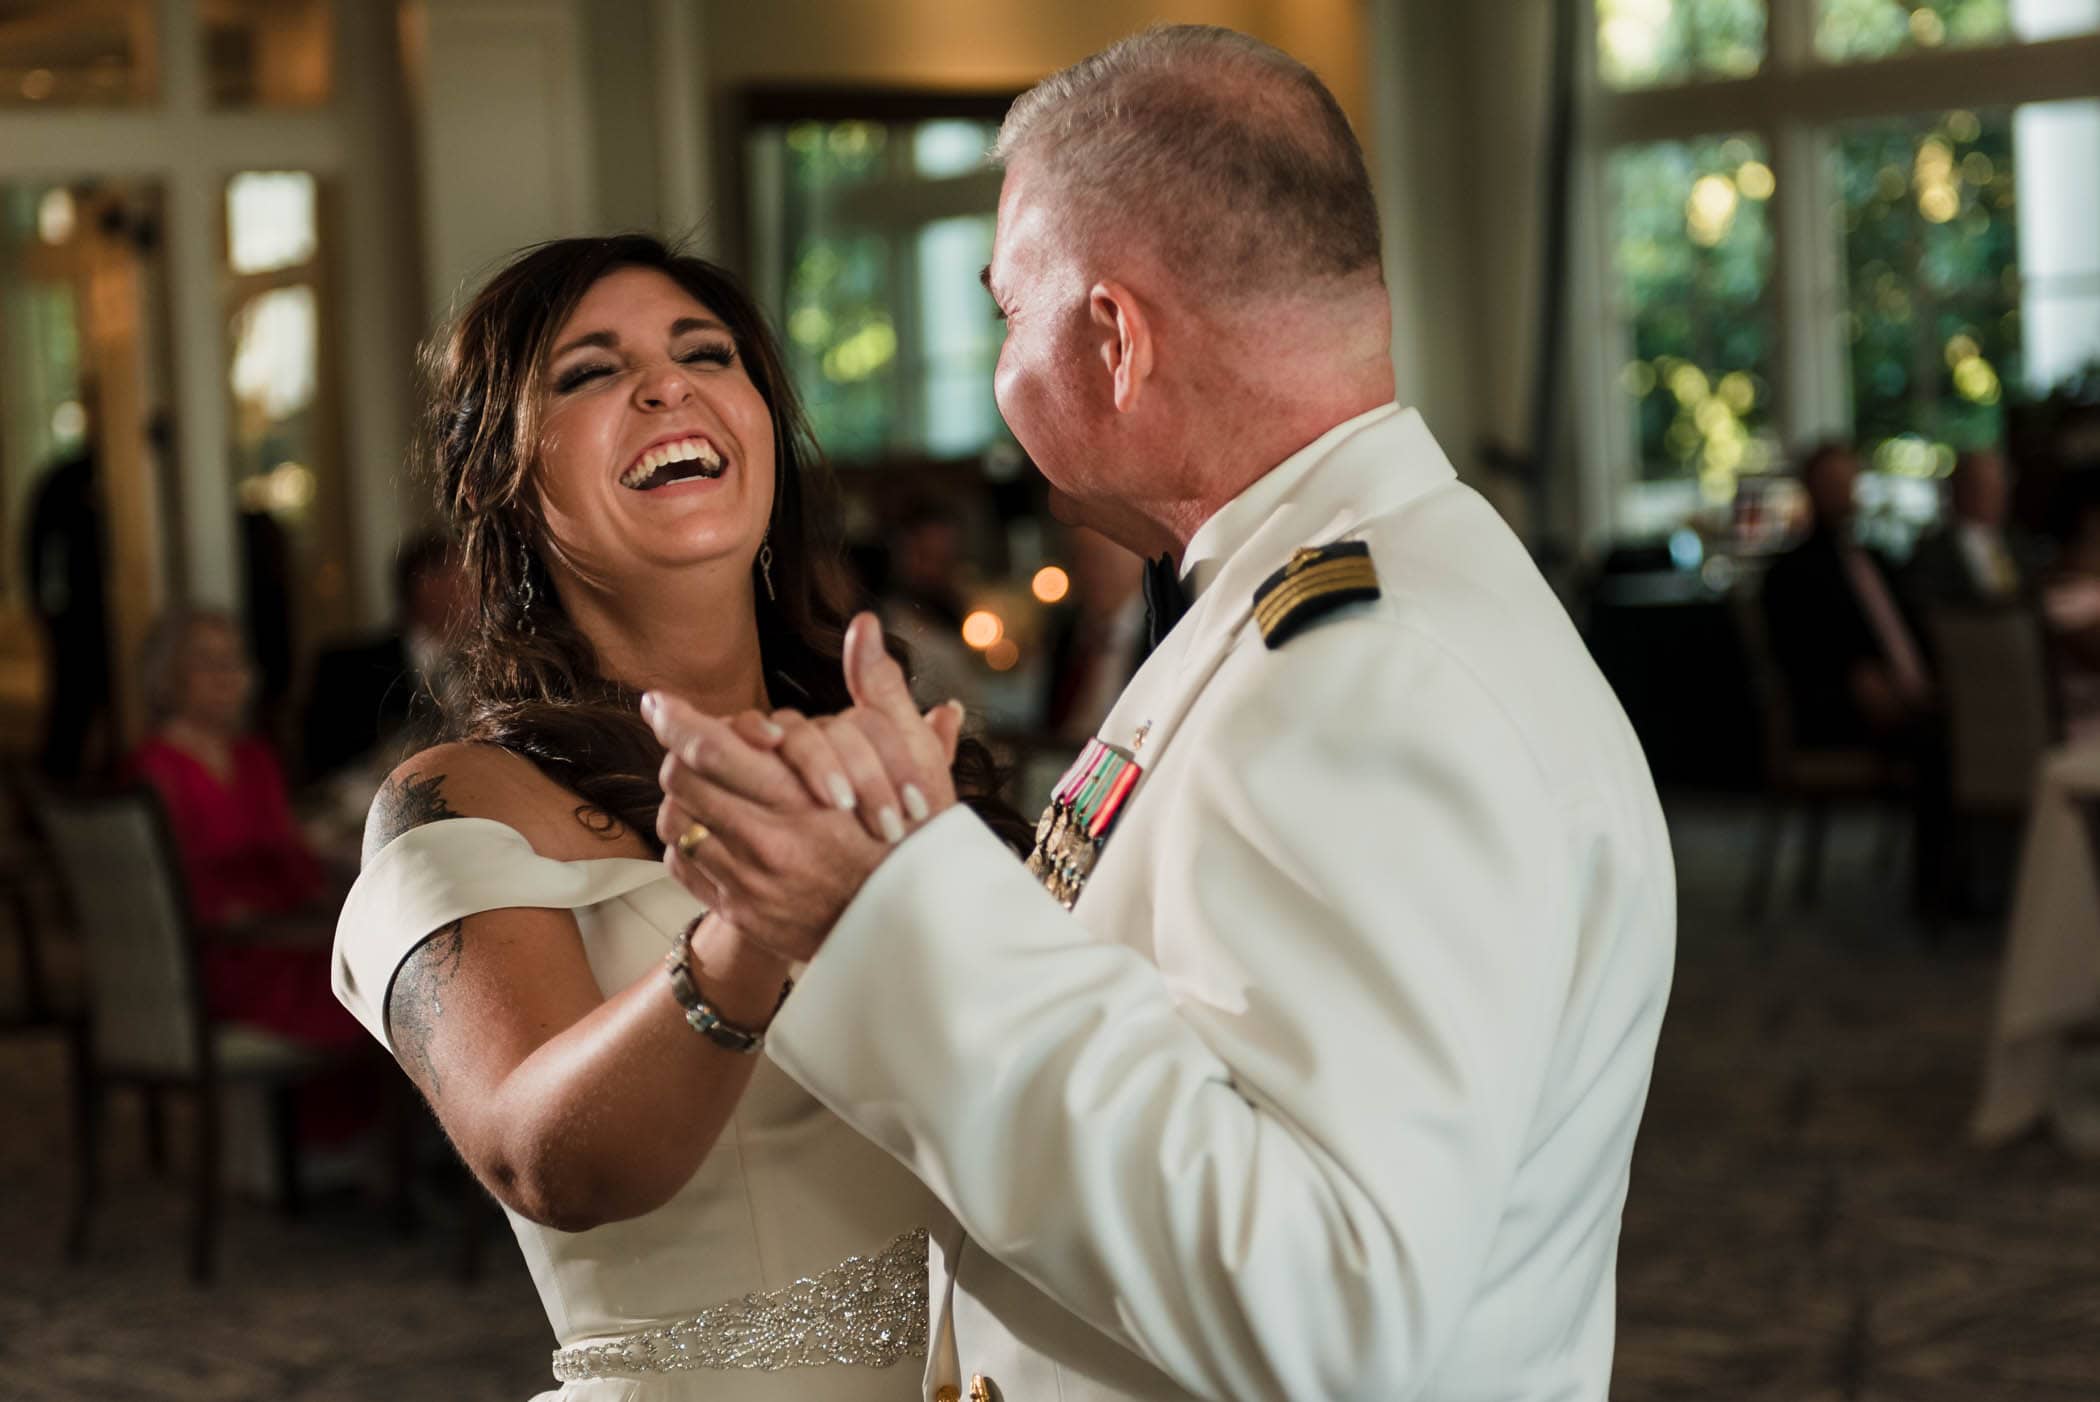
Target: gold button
<point>947,1392</point>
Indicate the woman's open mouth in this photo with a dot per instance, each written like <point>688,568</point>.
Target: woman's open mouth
<point>681,460</point>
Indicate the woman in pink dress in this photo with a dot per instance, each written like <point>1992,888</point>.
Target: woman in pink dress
<point>260,899</point>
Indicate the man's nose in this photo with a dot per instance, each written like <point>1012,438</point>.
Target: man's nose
<point>663,387</point>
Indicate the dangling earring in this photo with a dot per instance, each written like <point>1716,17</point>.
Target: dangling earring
<point>526,594</point>
<point>765,563</point>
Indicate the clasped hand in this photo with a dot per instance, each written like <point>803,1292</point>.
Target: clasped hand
<point>798,811</point>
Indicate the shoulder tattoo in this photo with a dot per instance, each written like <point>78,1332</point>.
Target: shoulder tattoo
<point>417,1001</point>
<point>406,802</point>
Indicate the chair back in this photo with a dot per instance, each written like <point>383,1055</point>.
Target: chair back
<point>1994,673</point>
<point>1767,684</point>
<point>26,1000</point>
<point>146,1000</point>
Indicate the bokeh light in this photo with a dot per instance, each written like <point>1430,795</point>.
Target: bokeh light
<point>1709,212</point>
<point>982,629</point>
<point>56,216</point>
<point>1050,584</point>
<point>69,422</point>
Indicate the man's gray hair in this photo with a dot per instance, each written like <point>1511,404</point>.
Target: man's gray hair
<point>1228,156</point>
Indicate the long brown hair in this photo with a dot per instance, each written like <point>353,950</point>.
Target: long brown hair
<point>530,681</point>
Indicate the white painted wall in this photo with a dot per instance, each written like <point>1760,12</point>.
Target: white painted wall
<point>1458,95</point>
<point>995,44</point>
<point>505,136</point>
<point>378,233</point>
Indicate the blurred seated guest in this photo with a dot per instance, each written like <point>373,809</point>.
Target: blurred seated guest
<point>1097,639</point>
<point>923,603</point>
<point>255,889</point>
<point>1854,671</point>
<point>1973,561</point>
<point>2070,599</point>
<point>365,696</point>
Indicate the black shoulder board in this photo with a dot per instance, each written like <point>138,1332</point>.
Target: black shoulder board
<point>1317,581</point>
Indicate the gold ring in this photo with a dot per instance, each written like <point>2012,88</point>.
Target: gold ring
<point>689,841</point>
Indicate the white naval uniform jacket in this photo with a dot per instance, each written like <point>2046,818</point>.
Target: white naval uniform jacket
<point>1327,1086</point>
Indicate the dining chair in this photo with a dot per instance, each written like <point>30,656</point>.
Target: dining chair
<point>1805,782</point>
<point>1994,678</point>
<point>147,1025</point>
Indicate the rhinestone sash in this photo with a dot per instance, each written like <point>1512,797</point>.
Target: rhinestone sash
<point>865,1312</point>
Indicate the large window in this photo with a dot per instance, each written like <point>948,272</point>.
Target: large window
<point>66,53</point>
<point>268,53</point>
<point>1646,43</point>
<point>284,427</point>
<point>105,53</point>
<point>1932,284</point>
<point>867,238</point>
<point>1895,236</point>
<point>1693,256</point>
<point>1849,30</point>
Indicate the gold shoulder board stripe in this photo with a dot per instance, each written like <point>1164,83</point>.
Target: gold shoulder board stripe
<point>1316,582</point>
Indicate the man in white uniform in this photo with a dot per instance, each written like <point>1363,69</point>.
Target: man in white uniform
<point>1315,1072</point>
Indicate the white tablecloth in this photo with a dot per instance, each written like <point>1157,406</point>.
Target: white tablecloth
<point>2050,982</point>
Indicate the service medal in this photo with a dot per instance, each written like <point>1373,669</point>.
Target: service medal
<point>1083,809</point>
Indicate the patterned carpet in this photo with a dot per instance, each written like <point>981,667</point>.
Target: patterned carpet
<point>1806,1222</point>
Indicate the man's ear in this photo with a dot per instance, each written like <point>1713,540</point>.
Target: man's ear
<point>1123,335</point>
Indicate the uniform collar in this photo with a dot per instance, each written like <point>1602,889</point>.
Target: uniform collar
<point>1234,524</point>
<point>1368,467</point>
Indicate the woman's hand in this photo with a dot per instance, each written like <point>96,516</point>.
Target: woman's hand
<point>771,844</point>
<point>860,761</point>
<point>743,836</point>
<point>879,758</point>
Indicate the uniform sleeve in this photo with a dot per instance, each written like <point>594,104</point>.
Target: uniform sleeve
<point>1280,1176</point>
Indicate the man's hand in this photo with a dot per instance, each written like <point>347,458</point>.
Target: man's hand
<point>784,852</point>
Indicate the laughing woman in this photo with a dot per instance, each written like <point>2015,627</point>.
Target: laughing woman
<point>636,493</point>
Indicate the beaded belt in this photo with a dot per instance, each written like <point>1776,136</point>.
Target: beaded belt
<point>866,1312</point>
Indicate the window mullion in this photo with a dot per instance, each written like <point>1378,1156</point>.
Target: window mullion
<point>1815,381</point>
<point>1608,448</point>
<point>1790,27</point>
<point>1608,451</point>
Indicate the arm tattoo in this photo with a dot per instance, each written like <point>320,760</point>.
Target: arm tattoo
<point>417,1001</point>
<point>404,803</point>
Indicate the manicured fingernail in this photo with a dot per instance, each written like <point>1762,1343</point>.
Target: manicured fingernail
<point>841,791</point>
<point>649,704</point>
<point>892,826</point>
<point>957,706</point>
<point>769,729</point>
<point>914,802</point>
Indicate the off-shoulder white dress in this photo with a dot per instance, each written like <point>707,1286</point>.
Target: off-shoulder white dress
<point>793,1265</point>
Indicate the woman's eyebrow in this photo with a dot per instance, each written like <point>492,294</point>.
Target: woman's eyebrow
<point>606,339</point>
<point>610,340</point>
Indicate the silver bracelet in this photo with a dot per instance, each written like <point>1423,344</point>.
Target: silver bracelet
<point>702,1016</point>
